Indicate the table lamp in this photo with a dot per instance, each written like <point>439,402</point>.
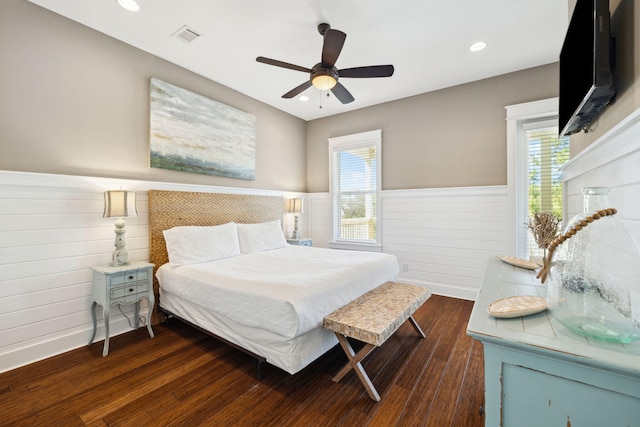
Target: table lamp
<point>119,204</point>
<point>295,206</point>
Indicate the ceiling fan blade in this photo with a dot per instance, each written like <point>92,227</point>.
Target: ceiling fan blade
<point>366,72</point>
<point>333,42</point>
<point>298,89</point>
<point>342,93</point>
<point>286,65</point>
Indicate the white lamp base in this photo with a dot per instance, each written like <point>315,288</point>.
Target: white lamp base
<point>120,255</point>
<point>295,228</point>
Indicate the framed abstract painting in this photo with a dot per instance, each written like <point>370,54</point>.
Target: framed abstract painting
<point>192,133</point>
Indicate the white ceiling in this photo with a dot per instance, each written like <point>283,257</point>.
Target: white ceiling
<point>427,41</point>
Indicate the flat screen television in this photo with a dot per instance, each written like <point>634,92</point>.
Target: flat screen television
<point>586,80</point>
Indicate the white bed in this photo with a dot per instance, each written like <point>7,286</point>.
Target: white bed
<point>273,302</point>
<point>269,299</point>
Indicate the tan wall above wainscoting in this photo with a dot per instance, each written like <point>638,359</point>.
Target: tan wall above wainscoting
<point>76,102</point>
<point>454,137</point>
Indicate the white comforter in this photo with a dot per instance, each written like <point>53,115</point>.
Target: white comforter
<point>287,291</point>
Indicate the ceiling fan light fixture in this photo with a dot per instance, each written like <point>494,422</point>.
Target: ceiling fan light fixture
<point>324,82</point>
<point>323,78</point>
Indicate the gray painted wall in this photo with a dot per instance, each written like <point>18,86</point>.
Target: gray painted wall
<point>74,101</point>
<point>454,137</point>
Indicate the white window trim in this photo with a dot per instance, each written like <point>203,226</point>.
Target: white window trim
<point>517,117</point>
<point>363,138</point>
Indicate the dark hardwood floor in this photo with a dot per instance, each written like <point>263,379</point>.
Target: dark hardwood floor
<point>182,377</point>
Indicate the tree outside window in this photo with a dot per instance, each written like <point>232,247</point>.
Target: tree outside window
<point>547,155</point>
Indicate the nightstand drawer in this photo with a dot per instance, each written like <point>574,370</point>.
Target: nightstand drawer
<point>143,274</point>
<point>130,292</point>
<point>121,278</point>
<point>142,286</point>
<point>128,277</point>
<point>118,292</point>
<point>300,242</point>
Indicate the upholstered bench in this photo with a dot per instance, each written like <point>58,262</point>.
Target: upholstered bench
<point>372,319</point>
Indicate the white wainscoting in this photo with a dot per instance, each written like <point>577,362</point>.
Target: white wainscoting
<point>612,161</point>
<point>51,233</point>
<point>441,237</point>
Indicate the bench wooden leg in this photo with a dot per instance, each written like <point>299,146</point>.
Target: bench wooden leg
<point>354,363</point>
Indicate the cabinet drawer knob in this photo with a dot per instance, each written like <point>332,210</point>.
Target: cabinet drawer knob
<point>130,277</point>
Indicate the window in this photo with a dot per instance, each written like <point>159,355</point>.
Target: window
<point>546,155</point>
<point>535,156</point>
<point>355,185</point>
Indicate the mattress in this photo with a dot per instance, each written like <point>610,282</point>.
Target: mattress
<point>286,291</point>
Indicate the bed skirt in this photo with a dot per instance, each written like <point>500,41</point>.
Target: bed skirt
<point>289,354</point>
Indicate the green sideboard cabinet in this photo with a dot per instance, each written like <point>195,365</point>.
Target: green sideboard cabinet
<point>539,373</point>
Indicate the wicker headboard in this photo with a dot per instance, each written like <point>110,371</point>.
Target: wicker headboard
<point>174,208</point>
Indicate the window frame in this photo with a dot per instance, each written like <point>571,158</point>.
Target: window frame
<point>358,140</point>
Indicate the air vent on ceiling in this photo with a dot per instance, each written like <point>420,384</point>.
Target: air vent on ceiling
<point>186,34</point>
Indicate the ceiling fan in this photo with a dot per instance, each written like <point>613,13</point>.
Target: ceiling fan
<point>324,75</point>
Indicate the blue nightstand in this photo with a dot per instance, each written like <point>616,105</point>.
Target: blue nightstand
<point>125,284</point>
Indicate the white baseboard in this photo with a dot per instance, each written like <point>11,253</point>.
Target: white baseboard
<point>444,290</point>
<point>27,354</point>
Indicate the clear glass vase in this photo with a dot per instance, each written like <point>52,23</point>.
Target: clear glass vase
<point>595,276</point>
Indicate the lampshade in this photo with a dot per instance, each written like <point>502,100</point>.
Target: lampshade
<point>324,82</point>
<point>119,204</point>
<point>295,205</point>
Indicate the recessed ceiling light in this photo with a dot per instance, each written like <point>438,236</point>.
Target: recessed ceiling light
<point>130,5</point>
<point>477,46</point>
<point>303,98</point>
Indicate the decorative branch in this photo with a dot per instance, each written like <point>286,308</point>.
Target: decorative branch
<point>544,272</point>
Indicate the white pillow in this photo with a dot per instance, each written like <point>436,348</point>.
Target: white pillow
<point>194,244</point>
<point>260,237</point>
